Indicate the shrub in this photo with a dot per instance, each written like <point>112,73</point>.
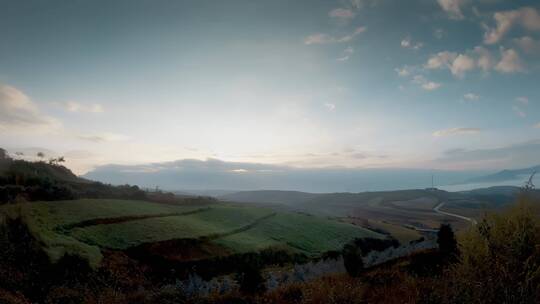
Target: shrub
<point>500,259</point>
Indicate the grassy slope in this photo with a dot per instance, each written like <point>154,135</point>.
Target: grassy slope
<point>240,228</point>
<point>69,212</point>
<point>402,234</point>
<point>218,219</point>
<point>44,218</point>
<point>308,234</point>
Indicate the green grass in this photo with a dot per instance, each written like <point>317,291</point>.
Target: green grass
<point>402,234</point>
<point>239,228</point>
<point>307,234</point>
<point>216,220</point>
<point>68,212</point>
<point>44,217</point>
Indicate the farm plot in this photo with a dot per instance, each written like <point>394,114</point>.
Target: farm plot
<point>212,222</point>
<point>48,220</point>
<point>85,227</point>
<point>307,234</point>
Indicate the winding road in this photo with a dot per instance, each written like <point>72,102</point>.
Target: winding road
<point>440,205</point>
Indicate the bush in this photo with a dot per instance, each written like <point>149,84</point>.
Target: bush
<point>500,259</point>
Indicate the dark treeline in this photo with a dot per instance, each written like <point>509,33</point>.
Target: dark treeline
<point>167,270</point>
<point>22,180</point>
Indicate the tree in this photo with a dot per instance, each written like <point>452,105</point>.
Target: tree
<point>446,240</point>
<point>352,259</point>
<point>251,280</point>
<point>3,154</point>
<point>41,155</point>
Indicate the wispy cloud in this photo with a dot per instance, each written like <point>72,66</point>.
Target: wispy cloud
<point>19,113</point>
<point>471,97</point>
<point>406,70</point>
<point>452,8</point>
<point>321,38</point>
<point>342,13</point>
<point>456,131</point>
<point>330,106</point>
<point>438,33</point>
<point>521,103</point>
<point>407,43</point>
<point>526,17</point>
<point>103,137</point>
<point>349,9</point>
<point>510,62</point>
<point>72,106</point>
<point>346,54</point>
<point>425,84</point>
<point>458,64</point>
<point>528,45</point>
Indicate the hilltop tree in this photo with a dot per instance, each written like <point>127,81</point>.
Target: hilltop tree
<point>40,155</point>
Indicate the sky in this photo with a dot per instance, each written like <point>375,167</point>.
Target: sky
<point>428,84</point>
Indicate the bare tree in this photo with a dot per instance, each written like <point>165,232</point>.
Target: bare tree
<point>529,185</point>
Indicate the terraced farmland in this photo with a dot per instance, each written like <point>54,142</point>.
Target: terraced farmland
<point>212,221</point>
<point>87,226</point>
<point>308,234</point>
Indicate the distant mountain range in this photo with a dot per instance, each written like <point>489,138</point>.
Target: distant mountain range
<point>506,175</point>
<point>195,176</point>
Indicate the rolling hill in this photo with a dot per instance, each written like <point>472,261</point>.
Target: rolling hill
<point>505,175</point>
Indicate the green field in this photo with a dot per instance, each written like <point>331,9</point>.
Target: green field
<point>87,226</point>
<point>216,220</point>
<point>308,234</point>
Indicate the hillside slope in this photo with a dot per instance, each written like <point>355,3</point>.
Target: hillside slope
<point>270,197</point>
<point>32,181</point>
<point>506,175</point>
